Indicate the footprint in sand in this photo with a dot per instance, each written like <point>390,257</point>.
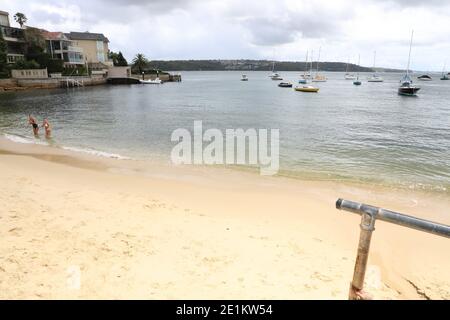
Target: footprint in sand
<point>15,231</point>
<point>321,277</point>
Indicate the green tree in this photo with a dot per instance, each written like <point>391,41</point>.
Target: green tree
<point>121,61</point>
<point>113,56</point>
<point>35,51</point>
<point>117,58</point>
<point>35,41</point>
<point>20,18</point>
<point>26,64</point>
<point>3,58</point>
<point>140,62</point>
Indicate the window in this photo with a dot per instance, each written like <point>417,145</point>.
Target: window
<point>100,51</point>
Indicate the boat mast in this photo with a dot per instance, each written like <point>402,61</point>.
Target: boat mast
<point>409,55</point>
<point>310,70</point>
<point>273,61</point>
<point>346,67</point>
<point>318,58</point>
<point>374,59</point>
<point>306,63</point>
<point>359,60</point>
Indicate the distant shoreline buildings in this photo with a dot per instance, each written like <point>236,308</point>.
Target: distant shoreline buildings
<point>75,49</point>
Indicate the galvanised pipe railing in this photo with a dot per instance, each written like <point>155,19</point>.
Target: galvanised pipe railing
<point>369,214</point>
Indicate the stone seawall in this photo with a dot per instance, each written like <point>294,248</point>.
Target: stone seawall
<point>23,84</point>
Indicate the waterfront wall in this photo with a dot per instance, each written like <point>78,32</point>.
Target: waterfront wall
<point>49,83</point>
<point>29,74</point>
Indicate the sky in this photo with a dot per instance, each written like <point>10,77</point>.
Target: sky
<point>257,29</point>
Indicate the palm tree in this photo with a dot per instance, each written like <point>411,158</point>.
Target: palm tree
<point>20,18</point>
<point>140,62</point>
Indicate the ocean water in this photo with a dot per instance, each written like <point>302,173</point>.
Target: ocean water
<point>366,134</point>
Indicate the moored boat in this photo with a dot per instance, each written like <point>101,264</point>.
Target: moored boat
<point>444,75</point>
<point>307,89</point>
<point>348,76</point>
<point>357,82</point>
<point>155,81</point>
<point>244,78</point>
<point>285,85</point>
<point>375,77</point>
<point>424,77</point>
<point>407,88</point>
<point>276,76</point>
<point>318,77</point>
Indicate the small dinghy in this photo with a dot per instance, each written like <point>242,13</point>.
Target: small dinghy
<point>285,85</point>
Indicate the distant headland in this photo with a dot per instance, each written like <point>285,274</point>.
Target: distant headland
<point>256,65</point>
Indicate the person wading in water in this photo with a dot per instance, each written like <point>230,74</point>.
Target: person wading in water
<point>47,127</point>
<point>33,123</point>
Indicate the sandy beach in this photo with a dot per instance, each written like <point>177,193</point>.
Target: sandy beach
<point>131,230</point>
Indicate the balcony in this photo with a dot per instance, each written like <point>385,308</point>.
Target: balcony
<point>13,34</point>
<point>75,49</point>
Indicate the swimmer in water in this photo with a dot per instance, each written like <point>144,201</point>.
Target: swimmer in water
<point>33,123</point>
<point>47,127</point>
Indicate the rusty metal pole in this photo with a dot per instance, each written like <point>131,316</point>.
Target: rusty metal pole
<point>356,287</point>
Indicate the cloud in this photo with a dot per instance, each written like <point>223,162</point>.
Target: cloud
<point>201,29</point>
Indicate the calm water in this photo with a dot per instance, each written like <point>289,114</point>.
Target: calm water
<point>365,133</point>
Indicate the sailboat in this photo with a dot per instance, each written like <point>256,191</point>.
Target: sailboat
<point>407,88</point>
<point>306,88</point>
<point>319,77</point>
<point>306,75</point>
<point>444,76</point>
<point>349,76</point>
<point>375,77</point>
<point>357,82</point>
<point>274,75</point>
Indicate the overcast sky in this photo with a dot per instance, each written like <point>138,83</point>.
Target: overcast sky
<point>257,29</point>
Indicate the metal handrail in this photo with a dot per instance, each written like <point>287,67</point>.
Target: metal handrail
<point>395,217</point>
<point>369,214</point>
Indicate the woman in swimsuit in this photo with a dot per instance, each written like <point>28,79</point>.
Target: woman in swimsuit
<point>32,121</point>
<point>48,129</point>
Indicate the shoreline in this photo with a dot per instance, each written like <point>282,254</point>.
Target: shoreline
<point>178,232</point>
<point>290,174</point>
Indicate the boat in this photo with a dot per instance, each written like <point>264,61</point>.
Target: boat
<point>375,77</point>
<point>348,76</point>
<point>285,85</point>
<point>444,76</point>
<point>244,78</point>
<point>307,73</point>
<point>307,89</point>
<point>305,76</point>
<point>275,75</point>
<point>425,77</point>
<point>318,77</point>
<point>155,81</point>
<point>357,82</point>
<point>407,88</point>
